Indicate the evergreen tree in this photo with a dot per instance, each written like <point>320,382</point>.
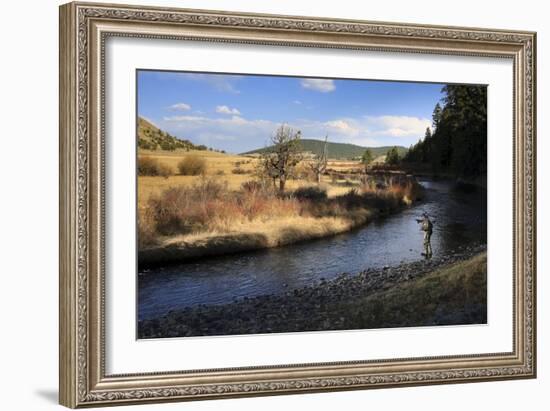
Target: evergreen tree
<point>458,142</point>
<point>424,146</point>
<point>436,116</point>
<point>392,156</point>
<point>367,157</point>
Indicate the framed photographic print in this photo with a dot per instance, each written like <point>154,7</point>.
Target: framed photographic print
<point>259,204</point>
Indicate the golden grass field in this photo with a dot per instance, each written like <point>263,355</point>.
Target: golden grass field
<point>220,166</point>
<point>215,163</point>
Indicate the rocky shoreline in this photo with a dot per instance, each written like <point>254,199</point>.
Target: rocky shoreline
<point>321,306</point>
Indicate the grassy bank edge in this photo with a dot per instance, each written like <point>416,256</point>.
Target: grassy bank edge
<point>174,250</point>
<point>450,295</point>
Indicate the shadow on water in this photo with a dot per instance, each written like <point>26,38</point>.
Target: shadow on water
<point>460,219</point>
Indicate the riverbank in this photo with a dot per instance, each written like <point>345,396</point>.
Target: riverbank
<point>302,215</point>
<point>263,234</point>
<point>448,290</point>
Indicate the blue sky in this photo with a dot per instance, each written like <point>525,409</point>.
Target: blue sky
<point>238,113</point>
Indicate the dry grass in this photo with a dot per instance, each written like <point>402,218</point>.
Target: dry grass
<point>208,205</point>
<point>454,294</point>
<point>222,169</point>
<point>243,236</point>
<point>218,207</point>
<point>345,165</point>
<point>215,161</point>
<point>406,190</point>
<point>216,164</point>
<point>283,230</point>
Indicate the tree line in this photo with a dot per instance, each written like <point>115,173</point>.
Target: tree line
<point>392,157</point>
<point>457,142</point>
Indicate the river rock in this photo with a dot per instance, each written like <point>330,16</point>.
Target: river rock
<point>302,309</point>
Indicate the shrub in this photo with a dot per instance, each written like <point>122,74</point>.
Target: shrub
<point>304,172</point>
<point>210,206</point>
<point>209,189</point>
<point>168,145</point>
<point>253,186</point>
<point>239,170</point>
<point>148,166</point>
<point>147,234</point>
<point>352,199</point>
<point>192,165</point>
<point>252,205</point>
<point>312,193</point>
<point>188,209</point>
<point>146,145</point>
<point>408,191</point>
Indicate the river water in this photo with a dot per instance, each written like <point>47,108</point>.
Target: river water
<point>459,216</point>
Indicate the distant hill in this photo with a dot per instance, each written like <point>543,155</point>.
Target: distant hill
<point>338,150</point>
<point>150,137</point>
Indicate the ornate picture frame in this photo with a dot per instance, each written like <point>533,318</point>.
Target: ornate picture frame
<point>84,29</point>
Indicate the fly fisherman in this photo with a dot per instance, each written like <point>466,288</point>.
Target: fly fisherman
<point>427,226</point>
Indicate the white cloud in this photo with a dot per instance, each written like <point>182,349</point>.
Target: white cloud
<point>398,126</point>
<point>239,120</point>
<point>235,133</point>
<point>343,126</point>
<point>316,84</point>
<point>227,110</point>
<point>180,106</point>
<point>187,121</point>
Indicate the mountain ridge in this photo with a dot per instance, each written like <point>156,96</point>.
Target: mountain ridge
<point>336,150</point>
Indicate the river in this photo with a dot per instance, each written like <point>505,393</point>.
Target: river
<point>459,216</point>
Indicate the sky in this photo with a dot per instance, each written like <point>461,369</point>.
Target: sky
<point>239,113</point>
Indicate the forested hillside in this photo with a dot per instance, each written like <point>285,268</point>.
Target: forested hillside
<point>457,142</point>
<point>338,150</point>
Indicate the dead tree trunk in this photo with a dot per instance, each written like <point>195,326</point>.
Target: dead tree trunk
<point>319,163</point>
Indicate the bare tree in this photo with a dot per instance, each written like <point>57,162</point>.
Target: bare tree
<point>319,163</point>
<point>279,161</point>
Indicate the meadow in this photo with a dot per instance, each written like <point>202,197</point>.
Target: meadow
<point>232,170</point>
<point>199,202</point>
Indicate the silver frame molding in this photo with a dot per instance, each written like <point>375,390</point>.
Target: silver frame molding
<point>84,27</point>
